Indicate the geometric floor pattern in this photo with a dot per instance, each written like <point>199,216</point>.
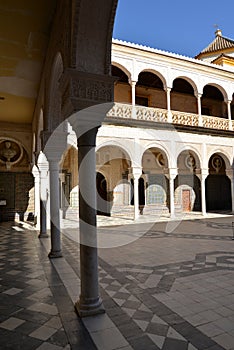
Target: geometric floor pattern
<point>169,306</point>
<point>182,305</point>
<point>136,305</point>
<point>35,310</point>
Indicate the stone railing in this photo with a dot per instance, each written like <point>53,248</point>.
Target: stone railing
<point>215,122</point>
<point>185,118</point>
<point>151,114</point>
<point>127,111</point>
<point>120,110</point>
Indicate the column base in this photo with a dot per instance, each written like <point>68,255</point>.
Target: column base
<point>57,254</point>
<point>89,308</point>
<point>43,235</point>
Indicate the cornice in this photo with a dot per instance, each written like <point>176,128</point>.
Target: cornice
<point>137,50</point>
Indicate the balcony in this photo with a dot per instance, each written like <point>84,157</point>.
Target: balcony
<point>157,115</point>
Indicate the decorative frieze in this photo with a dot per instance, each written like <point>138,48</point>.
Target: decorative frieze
<point>126,111</point>
<point>215,123</point>
<point>151,114</point>
<point>81,90</point>
<point>120,110</point>
<point>185,118</point>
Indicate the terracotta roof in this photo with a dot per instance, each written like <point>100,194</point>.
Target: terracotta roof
<point>220,43</point>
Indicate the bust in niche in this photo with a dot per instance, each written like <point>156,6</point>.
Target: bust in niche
<point>9,152</point>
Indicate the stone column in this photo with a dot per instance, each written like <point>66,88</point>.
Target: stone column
<point>36,175</point>
<point>229,114</point>
<point>89,302</point>
<point>204,174</point>
<point>199,96</point>
<point>55,251</point>
<point>172,175</point>
<point>136,173</point>
<point>230,174</point>
<point>43,168</point>
<point>169,105</point>
<point>55,145</point>
<point>133,86</point>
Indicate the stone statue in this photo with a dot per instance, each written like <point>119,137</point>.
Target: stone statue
<point>8,152</point>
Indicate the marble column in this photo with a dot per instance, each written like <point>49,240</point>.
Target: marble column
<point>55,144</point>
<point>136,173</point>
<point>36,175</point>
<point>169,105</point>
<point>133,87</point>
<point>229,114</point>
<point>89,302</point>
<point>199,96</point>
<point>203,177</point>
<point>172,175</point>
<point>55,251</point>
<point>43,169</point>
<point>230,174</point>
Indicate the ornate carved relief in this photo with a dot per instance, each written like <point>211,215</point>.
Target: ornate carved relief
<point>10,153</point>
<point>81,90</point>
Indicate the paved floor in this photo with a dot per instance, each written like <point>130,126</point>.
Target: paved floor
<point>166,286</point>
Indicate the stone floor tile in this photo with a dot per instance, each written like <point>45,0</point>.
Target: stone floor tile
<point>225,340</point>
<point>45,308</point>
<point>49,346</point>
<point>12,291</point>
<point>11,323</point>
<point>43,333</point>
<point>109,339</point>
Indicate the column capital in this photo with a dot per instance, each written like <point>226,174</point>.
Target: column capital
<point>89,118</point>
<point>136,172</point>
<point>198,95</point>
<point>88,139</point>
<point>230,173</point>
<point>55,143</point>
<point>204,173</point>
<point>81,90</point>
<point>173,172</point>
<point>132,82</point>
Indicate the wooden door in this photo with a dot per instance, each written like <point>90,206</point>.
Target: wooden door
<point>186,202</point>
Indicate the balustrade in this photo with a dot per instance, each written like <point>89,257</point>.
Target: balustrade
<point>158,115</point>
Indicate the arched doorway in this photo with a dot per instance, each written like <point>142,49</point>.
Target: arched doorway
<point>212,102</point>
<point>112,169</point>
<point>16,182</point>
<point>187,182</point>
<point>182,96</point>
<point>103,207</point>
<point>155,168</point>
<point>218,185</point>
<point>150,91</point>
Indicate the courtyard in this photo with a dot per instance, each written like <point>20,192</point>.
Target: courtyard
<point>165,285</point>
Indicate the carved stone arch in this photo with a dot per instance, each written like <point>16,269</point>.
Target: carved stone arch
<point>155,72</point>
<point>220,88</point>
<point>125,70</point>
<point>188,161</point>
<point>188,80</point>
<point>39,130</point>
<point>221,153</point>
<point>194,152</point>
<point>92,20</point>
<point>119,145</point>
<point>53,95</point>
<point>160,147</point>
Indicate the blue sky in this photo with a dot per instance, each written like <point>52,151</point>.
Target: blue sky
<point>181,26</point>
